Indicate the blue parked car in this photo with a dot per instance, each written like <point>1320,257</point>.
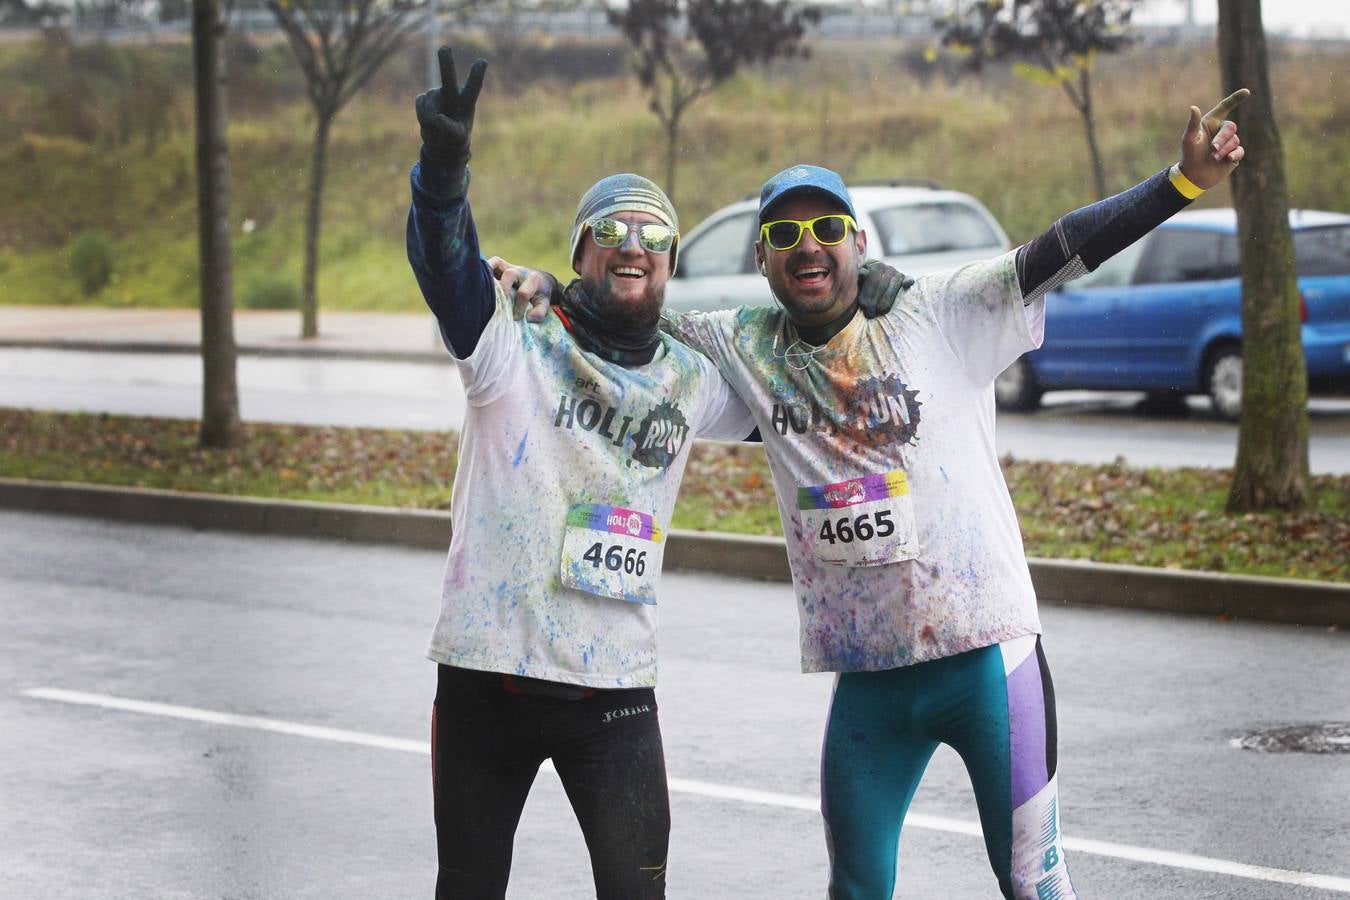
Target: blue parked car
<point>1164,316</point>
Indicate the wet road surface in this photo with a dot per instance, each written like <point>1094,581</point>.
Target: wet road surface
<point>282,752</point>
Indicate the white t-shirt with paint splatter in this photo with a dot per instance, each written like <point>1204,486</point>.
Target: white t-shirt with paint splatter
<point>567,476</point>
<point>901,534</point>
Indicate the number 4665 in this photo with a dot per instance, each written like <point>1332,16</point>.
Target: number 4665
<point>862,527</point>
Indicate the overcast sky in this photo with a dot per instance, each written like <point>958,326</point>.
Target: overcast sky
<point>1304,18</point>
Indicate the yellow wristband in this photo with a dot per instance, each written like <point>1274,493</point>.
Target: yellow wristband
<point>1187,188</point>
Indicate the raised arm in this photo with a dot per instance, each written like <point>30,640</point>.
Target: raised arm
<point>442,242</point>
<point>1085,238</point>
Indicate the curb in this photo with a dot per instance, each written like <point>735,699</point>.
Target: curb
<point>1291,601</point>
<point>1064,582</point>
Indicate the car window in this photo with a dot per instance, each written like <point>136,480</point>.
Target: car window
<point>726,248</point>
<point>931,228</point>
<point>1117,271</point>
<point>1230,262</point>
<point>1177,254</point>
<point>1323,251</point>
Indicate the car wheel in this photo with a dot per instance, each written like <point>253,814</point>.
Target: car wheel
<point>1223,382</point>
<point>1016,388</point>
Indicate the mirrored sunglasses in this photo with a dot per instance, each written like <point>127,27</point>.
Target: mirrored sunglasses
<point>613,232</point>
<point>784,234</point>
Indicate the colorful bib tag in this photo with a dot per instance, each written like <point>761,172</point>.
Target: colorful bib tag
<point>613,552</point>
<point>866,521</point>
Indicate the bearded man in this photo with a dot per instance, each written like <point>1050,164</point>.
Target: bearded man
<point>576,438</point>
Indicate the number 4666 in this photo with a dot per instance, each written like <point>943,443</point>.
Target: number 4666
<point>862,527</point>
<point>633,562</point>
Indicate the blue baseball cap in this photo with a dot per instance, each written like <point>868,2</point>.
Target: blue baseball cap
<point>801,178</point>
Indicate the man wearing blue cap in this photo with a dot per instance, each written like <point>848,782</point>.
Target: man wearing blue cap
<point>576,438</point>
<point>907,560</point>
<point>906,555</point>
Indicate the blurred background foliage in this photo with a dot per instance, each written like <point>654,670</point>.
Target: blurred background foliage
<point>96,156</point>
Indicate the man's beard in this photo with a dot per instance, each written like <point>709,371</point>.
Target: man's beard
<point>625,316</point>
<point>621,331</point>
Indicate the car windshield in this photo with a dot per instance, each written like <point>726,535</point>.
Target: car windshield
<point>931,228</point>
<point>725,248</point>
<point>1323,251</point>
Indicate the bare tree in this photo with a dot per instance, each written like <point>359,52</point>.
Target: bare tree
<point>1272,458</point>
<point>37,12</point>
<point>683,49</point>
<point>220,392</point>
<point>338,45</point>
<point>1052,41</point>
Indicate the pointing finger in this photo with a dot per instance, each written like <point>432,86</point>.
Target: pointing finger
<point>1225,106</point>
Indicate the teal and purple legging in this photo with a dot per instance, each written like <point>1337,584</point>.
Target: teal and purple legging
<point>996,708</point>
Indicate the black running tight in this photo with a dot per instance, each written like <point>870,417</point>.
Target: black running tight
<point>489,739</point>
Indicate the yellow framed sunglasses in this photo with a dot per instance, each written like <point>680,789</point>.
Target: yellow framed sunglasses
<point>784,234</point>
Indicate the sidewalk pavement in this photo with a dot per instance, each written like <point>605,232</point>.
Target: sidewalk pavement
<point>401,336</point>
<point>408,336</point>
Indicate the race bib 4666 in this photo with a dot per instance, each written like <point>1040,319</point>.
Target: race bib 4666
<point>613,552</point>
<point>865,521</point>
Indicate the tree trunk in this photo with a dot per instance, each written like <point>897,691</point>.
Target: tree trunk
<point>220,392</point>
<point>309,302</point>
<point>672,142</point>
<point>1098,170</point>
<point>1272,457</point>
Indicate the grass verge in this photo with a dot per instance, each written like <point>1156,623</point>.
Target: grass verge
<point>86,146</point>
<point>1172,518</point>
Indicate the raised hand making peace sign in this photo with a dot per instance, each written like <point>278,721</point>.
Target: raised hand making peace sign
<point>446,113</point>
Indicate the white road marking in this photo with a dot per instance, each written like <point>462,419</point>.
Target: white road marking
<point>316,732</point>
<point>1078,845</point>
<point>701,788</point>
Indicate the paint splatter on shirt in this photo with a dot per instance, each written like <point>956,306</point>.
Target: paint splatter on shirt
<point>550,429</point>
<point>902,537</point>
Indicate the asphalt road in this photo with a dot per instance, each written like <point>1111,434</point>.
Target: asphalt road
<point>285,753</point>
<point>1072,427</point>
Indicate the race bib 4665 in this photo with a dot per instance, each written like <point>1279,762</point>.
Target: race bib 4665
<point>865,521</point>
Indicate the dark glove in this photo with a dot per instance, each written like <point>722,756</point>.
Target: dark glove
<point>878,286</point>
<point>446,116</point>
